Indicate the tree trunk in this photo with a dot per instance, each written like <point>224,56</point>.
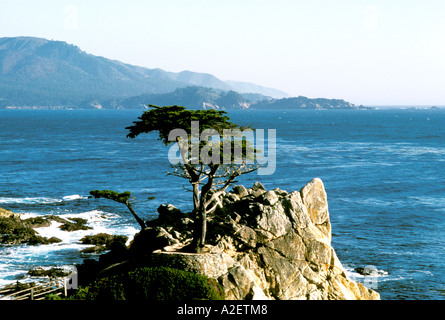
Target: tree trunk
<point>139,220</point>
<point>203,228</point>
<point>196,244</point>
<point>200,232</point>
<point>195,196</point>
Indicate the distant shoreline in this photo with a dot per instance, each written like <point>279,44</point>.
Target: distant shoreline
<point>398,107</point>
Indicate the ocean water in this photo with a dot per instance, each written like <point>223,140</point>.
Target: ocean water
<point>383,170</point>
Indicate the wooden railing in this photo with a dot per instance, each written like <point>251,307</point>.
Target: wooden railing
<point>38,292</point>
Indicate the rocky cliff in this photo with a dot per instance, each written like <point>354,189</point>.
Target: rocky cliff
<point>261,245</point>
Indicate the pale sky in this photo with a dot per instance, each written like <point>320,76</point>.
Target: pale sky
<point>369,52</point>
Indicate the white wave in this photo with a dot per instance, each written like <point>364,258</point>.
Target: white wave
<point>377,275</point>
<point>29,200</point>
<point>436,202</point>
<point>402,253</point>
<point>99,221</point>
<point>9,276</point>
<point>74,197</point>
<point>360,164</point>
<point>398,149</point>
<point>54,231</point>
<point>29,256</point>
<point>69,237</point>
<point>27,215</point>
<point>16,261</point>
<point>91,216</point>
<point>373,273</point>
<point>13,259</point>
<point>40,200</point>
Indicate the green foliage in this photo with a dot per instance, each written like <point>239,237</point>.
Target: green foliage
<point>123,197</point>
<point>165,119</point>
<point>103,290</point>
<point>214,151</point>
<point>172,284</point>
<point>112,195</point>
<point>53,296</point>
<point>152,284</point>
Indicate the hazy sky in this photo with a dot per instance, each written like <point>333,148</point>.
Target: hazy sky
<point>372,52</point>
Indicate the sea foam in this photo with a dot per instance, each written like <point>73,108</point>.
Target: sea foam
<point>40,200</point>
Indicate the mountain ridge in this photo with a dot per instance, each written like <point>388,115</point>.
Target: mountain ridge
<point>37,73</point>
<point>42,69</point>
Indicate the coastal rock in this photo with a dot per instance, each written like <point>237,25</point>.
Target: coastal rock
<point>8,214</point>
<point>315,200</point>
<point>257,189</point>
<point>103,239</point>
<point>13,230</point>
<point>75,224</point>
<point>72,224</point>
<point>102,242</point>
<point>38,240</point>
<point>52,272</point>
<point>241,191</point>
<point>169,214</point>
<point>266,244</point>
<point>38,222</point>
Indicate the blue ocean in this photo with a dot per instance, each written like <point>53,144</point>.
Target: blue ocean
<point>383,170</point>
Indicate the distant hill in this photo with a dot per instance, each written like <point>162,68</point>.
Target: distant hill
<point>192,97</point>
<point>199,79</point>
<point>36,71</point>
<point>40,72</point>
<point>306,103</point>
<point>253,88</point>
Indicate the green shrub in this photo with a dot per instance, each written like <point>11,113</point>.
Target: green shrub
<point>53,296</point>
<point>152,284</point>
<point>102,289</point>
<point>171,284</point>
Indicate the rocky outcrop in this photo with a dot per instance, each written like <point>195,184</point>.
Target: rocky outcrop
<point>8,214</point>
<point>261,245</point>
<point>102,242</point>
<point>51,272</point>
<point>14,230</point>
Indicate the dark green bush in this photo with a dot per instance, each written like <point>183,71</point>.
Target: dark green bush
<point>15,231</point>
<point>52,296</point>
<point>152,284</point>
